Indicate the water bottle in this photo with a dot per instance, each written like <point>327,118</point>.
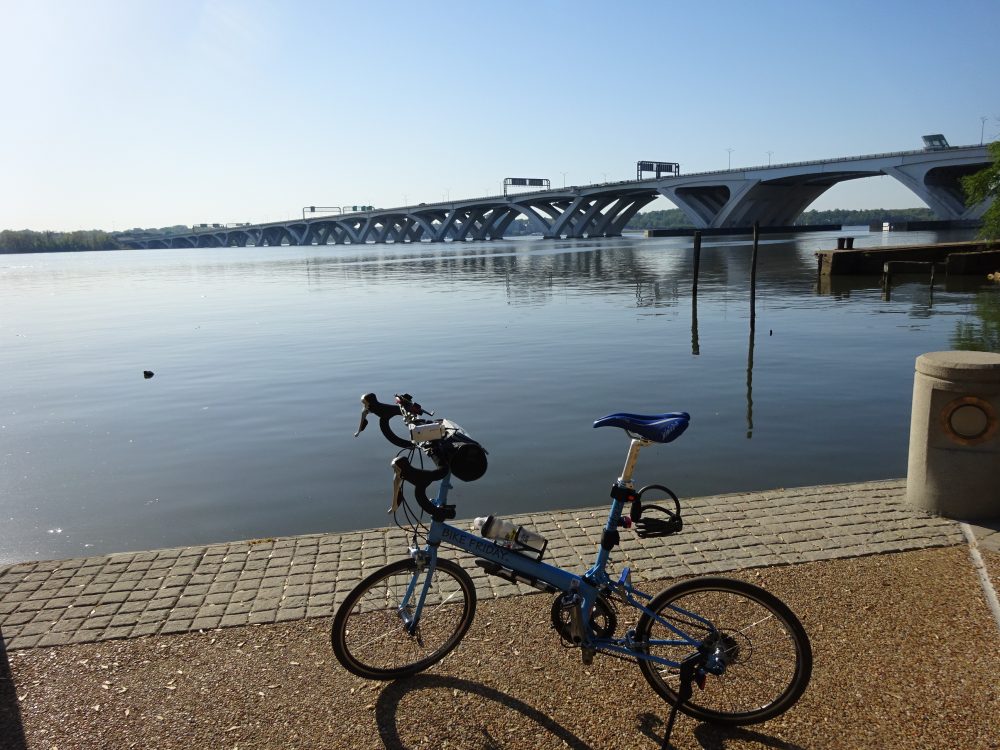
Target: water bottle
<point>507,532</point>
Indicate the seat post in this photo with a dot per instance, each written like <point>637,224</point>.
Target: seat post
<point>634,447</point>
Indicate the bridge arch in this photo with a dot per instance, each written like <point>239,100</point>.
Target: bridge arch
<point>777,195</point>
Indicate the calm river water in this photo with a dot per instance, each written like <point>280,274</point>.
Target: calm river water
<point>260,355</point>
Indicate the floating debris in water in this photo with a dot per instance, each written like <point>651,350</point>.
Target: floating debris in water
<point>147,374</point>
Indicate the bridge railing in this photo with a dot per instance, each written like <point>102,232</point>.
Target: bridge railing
<point>785,165</point>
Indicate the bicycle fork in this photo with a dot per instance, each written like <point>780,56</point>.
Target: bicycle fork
<point>412,603</point>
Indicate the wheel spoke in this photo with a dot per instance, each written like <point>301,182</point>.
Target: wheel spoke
<point>755,624</point>
<point>756,645</point>
<point>370,635</point>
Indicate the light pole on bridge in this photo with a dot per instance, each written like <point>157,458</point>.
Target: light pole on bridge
<point>982,128</point>
<point>769,157</point>
<point>564,178</point>
<point>730,164</point>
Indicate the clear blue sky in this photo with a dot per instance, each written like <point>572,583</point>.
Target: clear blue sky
<point>125,113</point>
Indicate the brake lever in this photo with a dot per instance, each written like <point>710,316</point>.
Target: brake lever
<point>411,407</point>
<point>364,422</point>
<point>397,491</point>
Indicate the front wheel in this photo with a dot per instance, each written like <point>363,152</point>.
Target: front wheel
<point>754,652</point>
<point>372,635</point>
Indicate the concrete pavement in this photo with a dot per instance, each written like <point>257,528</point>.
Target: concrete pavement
<point>183,589</point>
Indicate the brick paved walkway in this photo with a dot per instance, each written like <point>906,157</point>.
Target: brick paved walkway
<point>190,588</point>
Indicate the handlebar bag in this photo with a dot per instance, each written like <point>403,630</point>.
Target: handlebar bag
<point>464,457</point>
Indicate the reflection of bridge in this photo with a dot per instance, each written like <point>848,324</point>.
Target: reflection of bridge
<point>772,195</point>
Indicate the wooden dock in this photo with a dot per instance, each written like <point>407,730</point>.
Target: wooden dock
<point>967,258</point>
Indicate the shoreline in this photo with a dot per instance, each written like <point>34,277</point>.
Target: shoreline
<point>184,589</point>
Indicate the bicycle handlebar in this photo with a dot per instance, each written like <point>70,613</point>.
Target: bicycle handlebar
<point>450,449</point>
<point>385,412</point>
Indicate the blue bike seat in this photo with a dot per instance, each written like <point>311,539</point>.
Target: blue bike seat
<point>660,428</point>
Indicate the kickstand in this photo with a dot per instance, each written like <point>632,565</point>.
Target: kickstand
<point>683,695</point>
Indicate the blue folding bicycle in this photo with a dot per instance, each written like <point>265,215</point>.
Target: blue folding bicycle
<point>720,650</point>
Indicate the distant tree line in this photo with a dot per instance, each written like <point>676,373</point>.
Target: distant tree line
<point>865,216</point>
<point>674,218</point>
<point>28,241</point>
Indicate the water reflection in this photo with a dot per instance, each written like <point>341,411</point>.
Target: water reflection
<point>695,345</point>
<point>753,326</point>
<point>981,335</point>
<point>261,355</point>
<point>641,264</point>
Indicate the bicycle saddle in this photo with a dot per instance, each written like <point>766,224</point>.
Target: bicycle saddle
<point>660,428</point>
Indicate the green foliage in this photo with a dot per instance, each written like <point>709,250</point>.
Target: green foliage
<point>865,216</point>
<point>672,218</point>
<point>982,335</point>
<point>28,241</point>
<point>983,185</point>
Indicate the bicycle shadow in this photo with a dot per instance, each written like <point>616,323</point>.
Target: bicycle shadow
<point>11,728</point>
<point>387,709</point>
<point>712,737</point>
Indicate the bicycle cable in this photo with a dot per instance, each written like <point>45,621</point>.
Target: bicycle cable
<point>414,523</point>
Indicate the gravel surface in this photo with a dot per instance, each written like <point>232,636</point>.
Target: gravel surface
<point>906,656</point>
<point>992,560</point>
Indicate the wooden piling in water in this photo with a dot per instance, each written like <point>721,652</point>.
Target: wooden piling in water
<point>695,346</point>
<point>753,274</point>
<point>697,262</point>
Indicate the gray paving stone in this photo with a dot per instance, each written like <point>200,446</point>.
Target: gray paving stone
<point>263,616</point>
<point>238,608</point>
<point>11,621</point>
<point>143,593</point>
<point>55,639</point>
<point>176,626</point>
<point>222,587</point>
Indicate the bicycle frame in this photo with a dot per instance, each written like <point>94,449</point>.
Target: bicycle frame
<point>589,585</point>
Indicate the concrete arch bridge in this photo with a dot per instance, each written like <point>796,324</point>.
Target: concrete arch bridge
<point>773,195</point>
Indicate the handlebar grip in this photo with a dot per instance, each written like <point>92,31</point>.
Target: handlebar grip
<point>385,412</point>
<point>421,479</point>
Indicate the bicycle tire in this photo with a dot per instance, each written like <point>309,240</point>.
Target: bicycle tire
<point>368,628</point>
<point>769,659</point>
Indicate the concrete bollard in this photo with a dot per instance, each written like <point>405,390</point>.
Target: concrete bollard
<point>954,463</point>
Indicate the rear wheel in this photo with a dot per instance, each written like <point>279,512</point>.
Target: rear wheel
<point>370,634</point>
<point>754,650</point>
